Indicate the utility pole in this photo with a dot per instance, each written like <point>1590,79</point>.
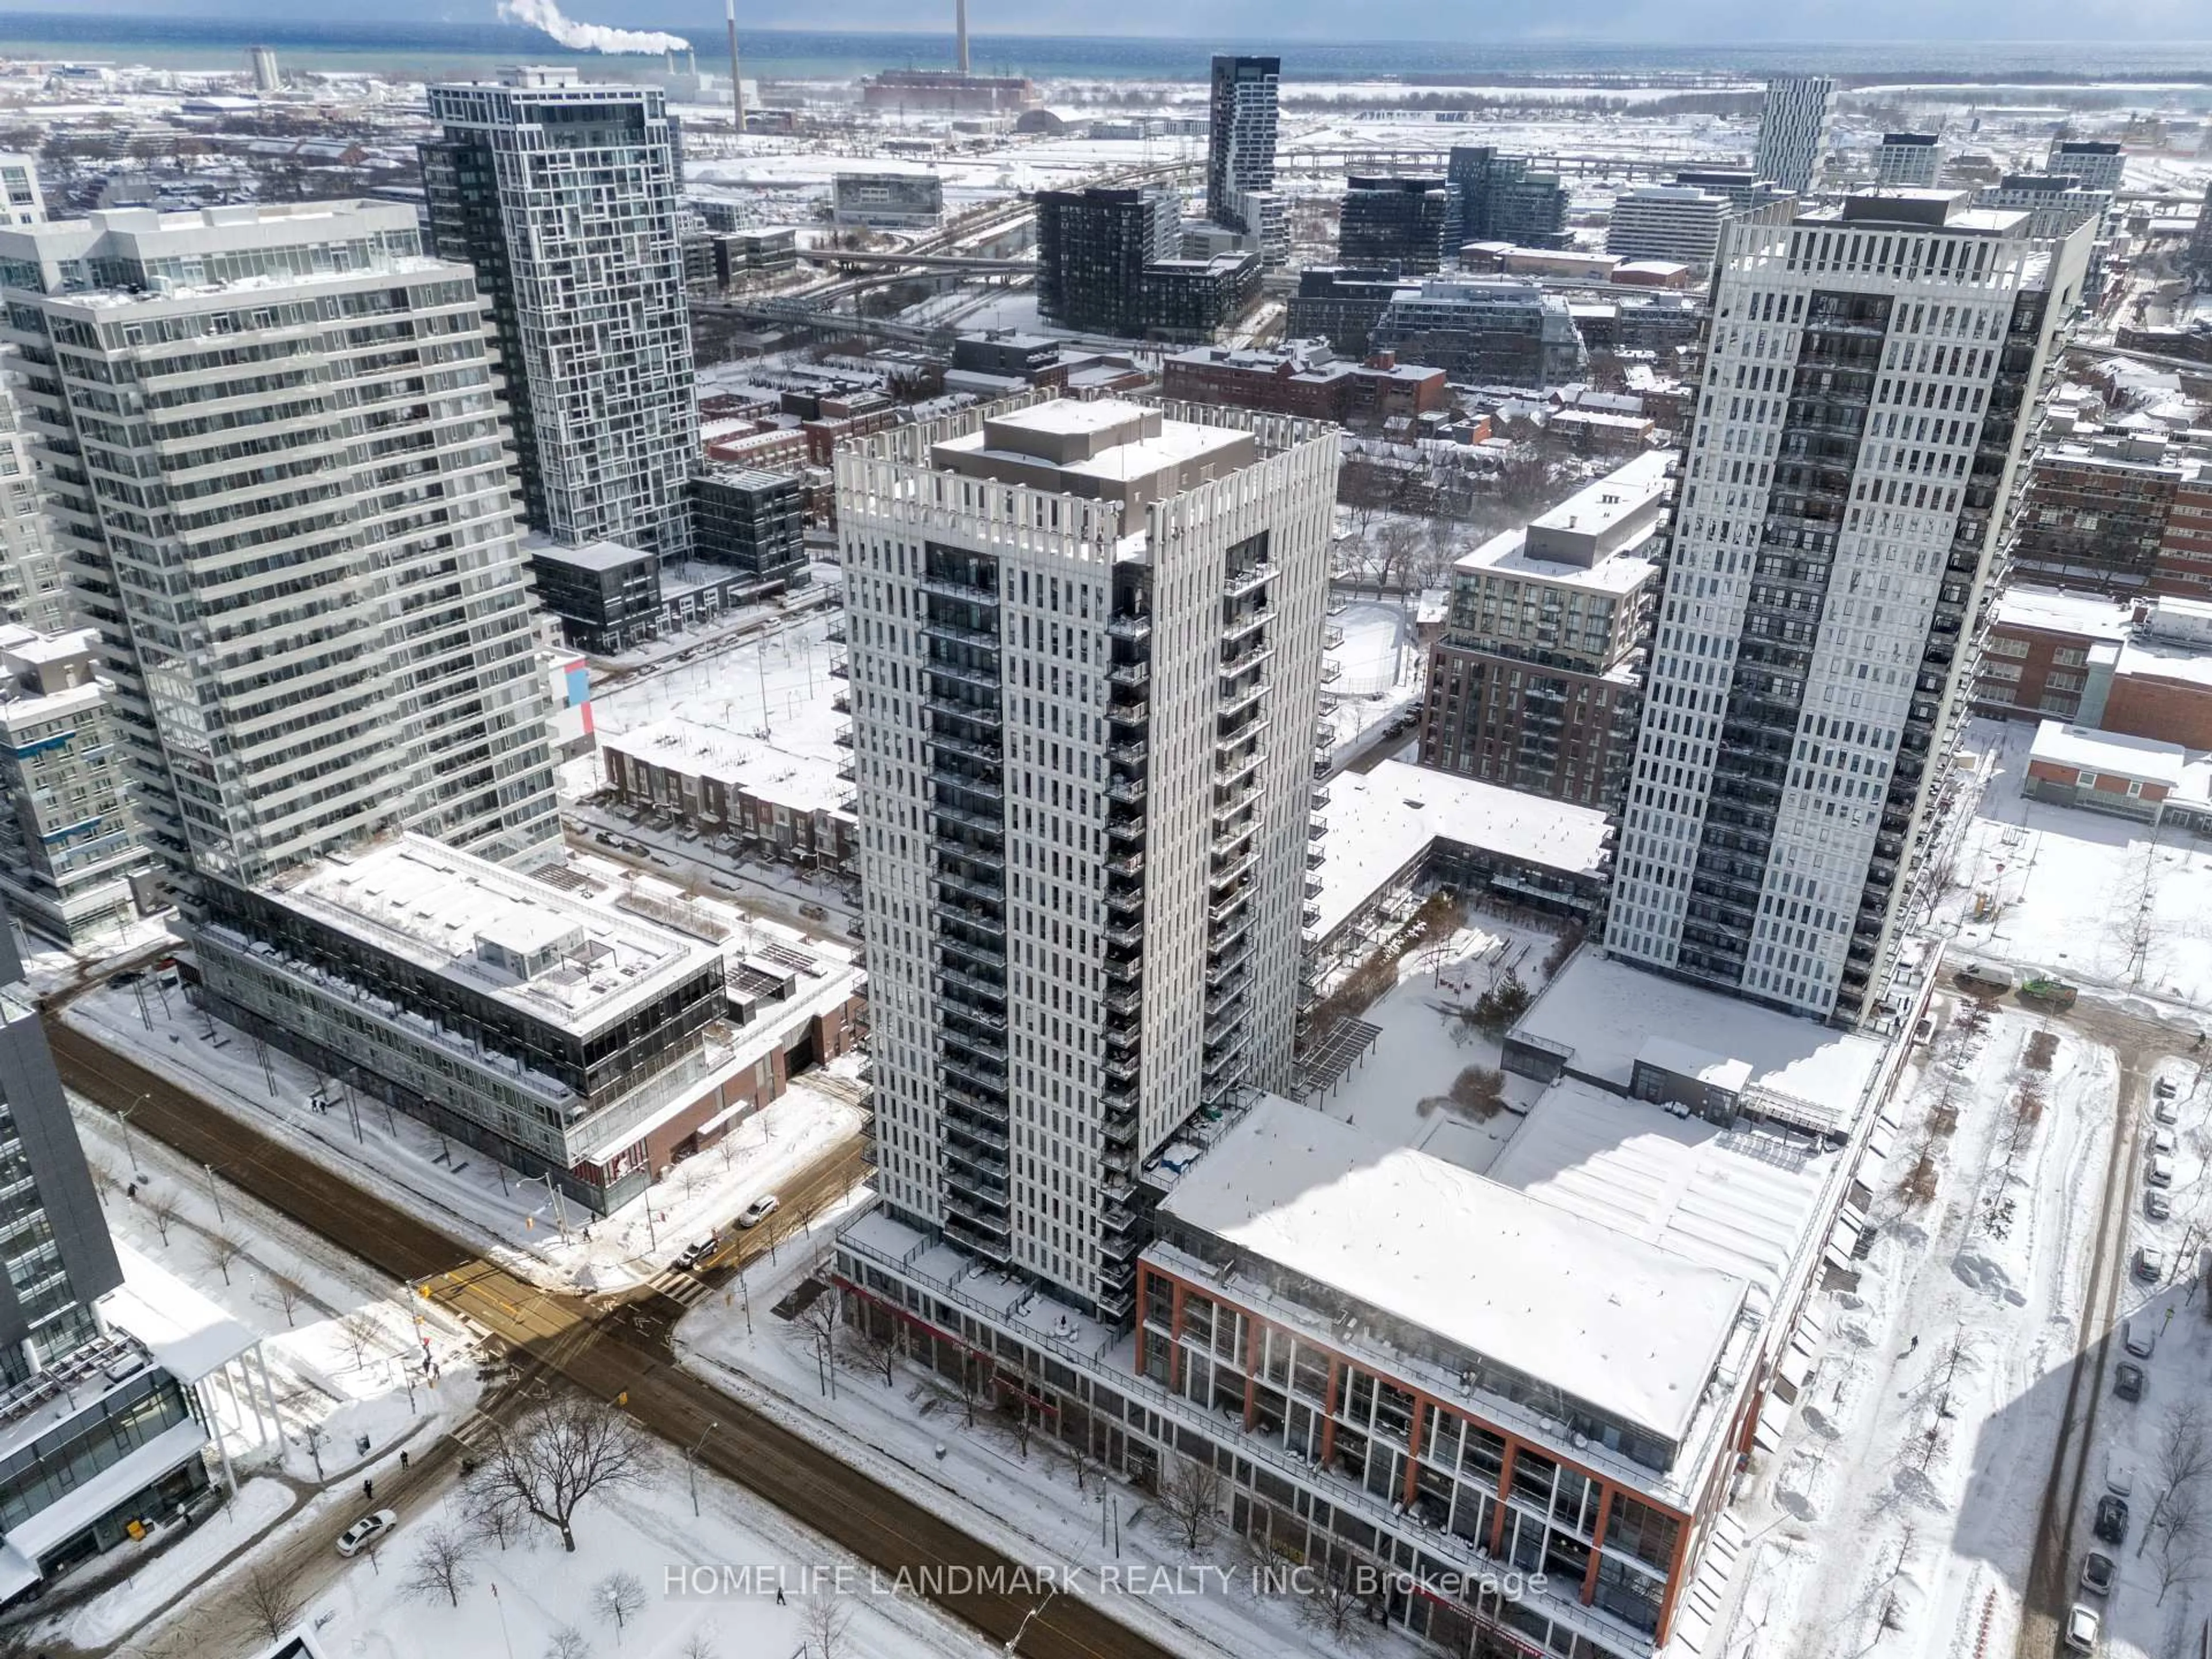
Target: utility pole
<point>208,1169</point>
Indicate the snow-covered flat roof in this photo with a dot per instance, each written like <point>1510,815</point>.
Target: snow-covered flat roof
<point>2162,660</point>
<point>1379,822</point>
<point>805,782</point>
<point>428,904</point>
<point>2147,759</point>
<point>1634,1331</point>
<point>1506,553</point>
<point>591,555</point>
<point>2062,613</point>
<point>1739,1202</point>
<point>1605,1010</point>
<point>188,1334</point>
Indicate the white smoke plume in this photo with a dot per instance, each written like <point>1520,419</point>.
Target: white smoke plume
<point>545,15</point>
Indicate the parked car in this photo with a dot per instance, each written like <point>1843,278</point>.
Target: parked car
<point>2164,1088</point>
<point>2128,1381</point>
<point>2157,1205</point>
<point>2164,1110</point>
<point>695,1255</point>
<point>366,1531</point>
<point>2112,1520</point>
<point>2141,1340</point>
<point>2160,1170</point>
<point>759,1209</point>
<point>2097,1573</point>
<point>2150,1263</point>
<point>2162,1140</point>
<point>2081,1628</point>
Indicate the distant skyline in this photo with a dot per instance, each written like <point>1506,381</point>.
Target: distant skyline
<point>1616,23</point>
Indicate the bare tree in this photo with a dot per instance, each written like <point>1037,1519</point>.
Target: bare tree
<point>220,1250</point>
<point>567,1643</point>
<point>823,1618</point>
<point>1333,1605</point>
<point>2179,1526</point>
<point>363,1334</point>
<point>619,1598</point>
<point>1190,1493</point>
<point>288,1295</point>
<point>489,1508</point>
<point>440,1566</point>
<point>700,1644</point>
<point>881,1351</point>
<point>1079,1460</point>
<point>271,1599</point>
<point>561,1454</point>
<point>163,1213</point>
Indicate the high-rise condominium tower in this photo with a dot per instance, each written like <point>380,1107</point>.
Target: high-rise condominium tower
<point>563,196</point>
<point>1240,154</point>
<point>1793,130</point>
<point>1085,663</point>
<point>272,441</point>
<point>1868,390</point>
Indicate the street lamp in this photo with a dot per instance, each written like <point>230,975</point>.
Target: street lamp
<point>691,1466</point>
<point>123,1122</point>
<point>1014,1642</point>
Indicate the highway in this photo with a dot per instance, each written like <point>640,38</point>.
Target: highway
<point>619,1346</point>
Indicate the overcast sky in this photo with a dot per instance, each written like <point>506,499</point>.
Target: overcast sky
<point>1694,22</point>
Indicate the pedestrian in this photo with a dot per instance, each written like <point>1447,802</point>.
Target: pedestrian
<point>402,1459</point>
<point>1915,1343</point>
<point>130,1191</point>
<point>779,1596</point>
<point>369,1490</point>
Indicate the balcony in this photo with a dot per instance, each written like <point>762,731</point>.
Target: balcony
<point>1125,896</point>
<point>975,1132</point>
<point>838,670</point>
<point>1126,791</point>
<point>967,820</point>
<point>1226,842</point>
<point>1234,704</point>
<point>981,956</point>
<point>991,1053</point>
<point>990,994</point>
<point>953,882</point>
<point>1246,622</point>
<point>845,770</point>
<point>984,679</point>
<point>961,590</point>
<point>1221,909</point>
<point>1238,662</point>
<point>1125,865</point>
<point>1126,754</point>
<point>841,702</point>
<point>843,737</point>
<point>1320,795</point>
<point>1236,869</point>
<point>1126,711</point>
<point>1129,627</point>
<point>1126,826</point>
<point>984,639</point>
<point>1331,670</point>
<point>979,714</point>
<point>1130,675</point>
<point>947,743</point>
<point>1120,1068</point>
<point>1250,579</point>
<point>1122,937</point>
<point>1233,770</point>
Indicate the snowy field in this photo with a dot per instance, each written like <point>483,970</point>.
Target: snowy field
<point>773,689</point>
<point>458,1188</point>
<point>1381,672</point>
<point>2098,899</point>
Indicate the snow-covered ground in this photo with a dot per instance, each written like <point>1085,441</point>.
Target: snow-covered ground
<point>1380,674</point>
<point>342,1346</point>
<point>912,1436</point>
<point>2097,900</point>
<point>1898,1514</point>
<point>707,1586</point>
<point>1428,1039</point>
<point>775,689</point>
<point>458,1187</point>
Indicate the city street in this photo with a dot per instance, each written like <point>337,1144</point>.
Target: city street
<point>611,1350</point>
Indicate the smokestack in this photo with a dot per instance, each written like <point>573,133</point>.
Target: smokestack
<point>736,84</point>
<point>960,30</point>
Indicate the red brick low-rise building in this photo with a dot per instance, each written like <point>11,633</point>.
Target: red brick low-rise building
<point>2140,669</point>
<point>1305,378</point>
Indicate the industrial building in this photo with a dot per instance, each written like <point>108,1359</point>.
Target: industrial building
<point>887,201</point>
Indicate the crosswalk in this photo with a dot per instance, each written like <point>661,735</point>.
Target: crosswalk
<point>680,1286</point>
